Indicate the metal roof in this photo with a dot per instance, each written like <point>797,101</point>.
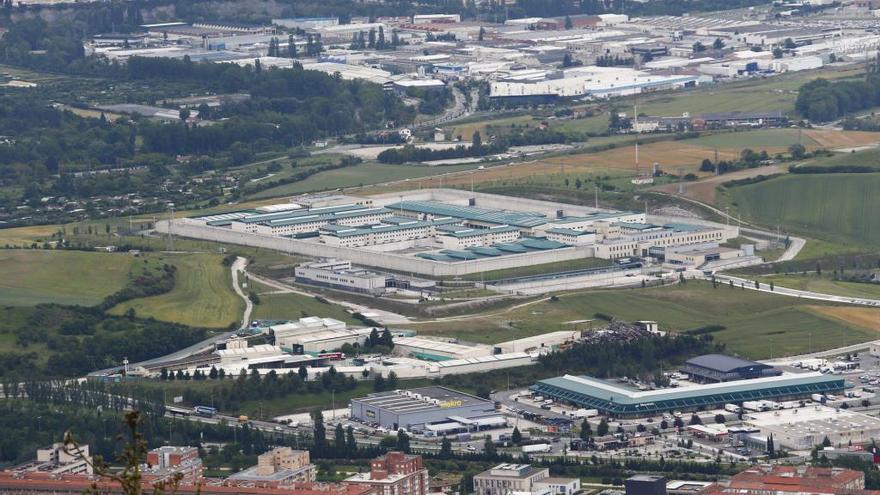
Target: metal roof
<point>501,217</point>
<point>723,363</point>
<point>590,392</point>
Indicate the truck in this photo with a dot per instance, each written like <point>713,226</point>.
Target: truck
<point>818,398</point>
<point>536,448</point>
<point>735,409</point>
<point>586,413</point>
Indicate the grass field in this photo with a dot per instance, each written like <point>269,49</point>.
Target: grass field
<point>838,208</point>
<point>757,325</point>
<point>776,139</point>
<point>32,277</point>
<point>293,306</point>
<point>865,158</point>
<point>202,295</point>
<point>825,284</point>
<point>359,175</point>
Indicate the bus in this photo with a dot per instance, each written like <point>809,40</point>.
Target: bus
<point>205,411</point>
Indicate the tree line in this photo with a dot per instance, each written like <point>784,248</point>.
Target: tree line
<point>821,100</point>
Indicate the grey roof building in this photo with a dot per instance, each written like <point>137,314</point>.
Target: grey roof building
<point>418,407</point>
<point>710,368</point>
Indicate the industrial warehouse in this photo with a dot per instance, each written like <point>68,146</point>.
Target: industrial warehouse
<point>615,400</point>
<point>429,409</point>
<point>443,232</point>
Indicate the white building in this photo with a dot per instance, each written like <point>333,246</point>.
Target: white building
<point>339,274</point>
<point>436,350</point>
<point>805,427</point>
<point>459,237</point>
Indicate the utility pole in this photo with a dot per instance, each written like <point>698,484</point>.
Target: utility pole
<point>596,193</point>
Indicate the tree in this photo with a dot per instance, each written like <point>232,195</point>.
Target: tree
<point>586,430</point>
<point>797,151</point>
<point>566,60</point>
<point>789,44</point>
<point>184,114</point>
<point>695,420</point>
<point>718,44</point>
<point>163,374</point>
<point>778,53</point>
<point>771,286</point>
<point>379,383</point>
<point>720,419</point>
<point>291,47</point>
<point>387,339</point>
<point>373,338</point>
<point>568,23</point>
<point>445,448</point>
<point>303,373</point>
<point>826,442</point>
<point>698,47</point>
<point>678,423</point>
<point>482,33</point>
<point>489,449</point>
<point>392,380</point>
<point>350,442</point>
<point>380,41</point>
<point>476,141</point>
<point>602,429</point>
<point>771,447</point>
<point>516,436</point>
<point>371,42</point>
<point>319,433</point>
<point>707,166</point>
<point>339,440</point>
<point>395,38</point>
<point>402,441</point>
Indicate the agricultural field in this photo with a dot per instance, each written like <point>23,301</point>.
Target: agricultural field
<point>36,276</point>
<point>863,158</point>
<point>837,208</point>
<point>202,295</point>
<point>756,325</point>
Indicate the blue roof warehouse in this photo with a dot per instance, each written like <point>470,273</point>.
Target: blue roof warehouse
<point>615,400</point>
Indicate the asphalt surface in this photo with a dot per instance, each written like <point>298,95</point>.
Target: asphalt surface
<point>764,287</point>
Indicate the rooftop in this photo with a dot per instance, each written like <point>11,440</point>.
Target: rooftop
<point>501,217</point>
<point>421,399</point>
<point>723,363</point>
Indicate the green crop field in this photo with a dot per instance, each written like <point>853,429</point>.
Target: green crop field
<point>202,295</point>
<point>35,276</point>
<point>757,325</point>
<point>865,158</point>
<point>367,173</point>
<point>839,208</point>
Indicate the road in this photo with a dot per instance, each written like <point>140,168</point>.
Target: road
<point>239,266</point>
<point>785,291</point>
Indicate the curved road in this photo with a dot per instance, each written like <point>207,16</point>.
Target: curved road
<point>239,267</point>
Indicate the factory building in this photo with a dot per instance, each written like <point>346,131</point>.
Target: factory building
<point>437,350</point>
<point>713,368</point>
<point>418,408</point>
<point>804,428</point>
<point>615,400</point>
<point>545,342</point>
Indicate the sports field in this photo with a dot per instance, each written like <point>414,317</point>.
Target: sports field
<point>35,276</point>
<point>757,325</point>
<point>839,208</point>
<point>202,295</point>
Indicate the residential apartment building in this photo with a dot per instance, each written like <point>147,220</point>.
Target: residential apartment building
<point>395,473</point>
<point>505,478</point>
<point>281,466</point>
<point>165,463</point>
